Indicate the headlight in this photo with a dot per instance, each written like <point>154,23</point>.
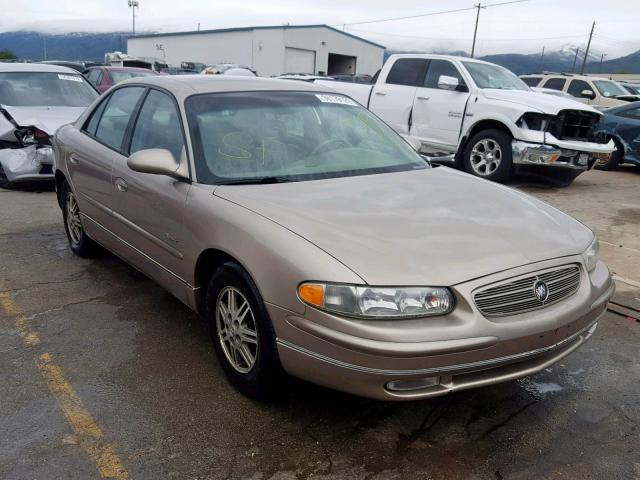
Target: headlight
<point>590,255</point>
<point>377,302</point>
<point>534,121</point>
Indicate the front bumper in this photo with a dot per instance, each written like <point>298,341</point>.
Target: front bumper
<point>422,358</point>
<point>28,163</point>
<point>563,154</point>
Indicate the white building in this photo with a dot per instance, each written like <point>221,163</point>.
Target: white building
<point>314,49</point>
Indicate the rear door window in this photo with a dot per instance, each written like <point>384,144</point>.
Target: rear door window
<point>555,83</point>
<point>116,116</point>
<point>407,71</point>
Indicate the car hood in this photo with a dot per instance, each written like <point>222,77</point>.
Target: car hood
<point>47,119</point>
<point>542,102</point>
<point>428,227</point>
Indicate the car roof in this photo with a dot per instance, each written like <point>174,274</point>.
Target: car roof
<point>124,69</point>
<point>35,68</point>
<point>183,86</point>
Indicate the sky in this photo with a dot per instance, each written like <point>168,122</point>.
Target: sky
<point>521,27</point>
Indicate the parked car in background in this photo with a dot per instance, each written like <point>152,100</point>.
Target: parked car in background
<point>304,77</point>
<point>595,91</point>
<point>353,78</point>
<point>622,125</point>
<point>480,117</point>
<point>35,100</point>
<point>103,78</point>
<point>313,240</point>
<point>77,66</point>
<point>632,88</point>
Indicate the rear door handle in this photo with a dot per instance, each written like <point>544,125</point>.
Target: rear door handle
<point>73,158</point>
<point>121,185</point>
<point>423,98</point>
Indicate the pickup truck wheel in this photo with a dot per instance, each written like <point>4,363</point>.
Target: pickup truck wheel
<point>79,242</point>
<point>242,333</point>
<point>614,159</point>
<point>488,155</point>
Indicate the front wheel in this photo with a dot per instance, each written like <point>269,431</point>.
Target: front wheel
<point>488,155</point>
<point>242,333</point>
<point>614,159</point>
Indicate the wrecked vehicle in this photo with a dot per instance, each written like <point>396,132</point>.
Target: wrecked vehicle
<point>622,125</point>
<point>36,99</point>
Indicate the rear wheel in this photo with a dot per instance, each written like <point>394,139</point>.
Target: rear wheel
<point>242,333</point>
<point>79,242</point>
<point>488,155</point>
<point>614,159</point>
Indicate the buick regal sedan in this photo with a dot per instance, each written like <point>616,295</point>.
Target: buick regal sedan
<point>314,241</point>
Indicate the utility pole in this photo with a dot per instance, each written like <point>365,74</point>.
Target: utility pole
<point>44,45</point>
<point>575,57</point>
<point>541,59</point>
<point>475,31</point>
<point>586,53</point>
<point>601,58</point>
<point>198,26</point>
<point>133,4</point>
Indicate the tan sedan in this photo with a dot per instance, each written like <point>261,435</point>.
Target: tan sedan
<point>314,241</point>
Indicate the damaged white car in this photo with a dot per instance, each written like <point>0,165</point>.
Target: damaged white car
<point>35,100</point>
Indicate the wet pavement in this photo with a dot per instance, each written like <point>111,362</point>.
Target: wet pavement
<point>104,374</point>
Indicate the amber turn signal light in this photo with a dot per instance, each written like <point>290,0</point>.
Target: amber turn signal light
<point>312,293</point>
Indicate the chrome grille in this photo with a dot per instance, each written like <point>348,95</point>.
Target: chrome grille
<point>517,296</point>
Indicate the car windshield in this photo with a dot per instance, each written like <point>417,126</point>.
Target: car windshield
<point>268,137</point>
<point>608,88</point>
<point>37,89</point>
<point>122,75</point>
<point>486,75</point>
<point>632,89</point>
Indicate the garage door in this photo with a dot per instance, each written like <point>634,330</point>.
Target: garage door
<point>297,60</point>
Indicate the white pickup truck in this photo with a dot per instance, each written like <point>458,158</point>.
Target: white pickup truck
<point>481,117</point>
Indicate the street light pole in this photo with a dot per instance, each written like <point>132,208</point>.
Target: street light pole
<point>602,58</point>
<point>133,4</point>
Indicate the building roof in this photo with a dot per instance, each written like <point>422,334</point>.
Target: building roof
<point>247,29</point>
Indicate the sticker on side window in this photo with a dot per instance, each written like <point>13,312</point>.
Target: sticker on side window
<point>73,78</point>
<point>326,98</point>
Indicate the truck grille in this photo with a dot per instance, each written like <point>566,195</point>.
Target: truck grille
<point>574,125</point>
<point>518,296</point>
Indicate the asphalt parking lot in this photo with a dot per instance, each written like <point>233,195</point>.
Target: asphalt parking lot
<point>104,374</point>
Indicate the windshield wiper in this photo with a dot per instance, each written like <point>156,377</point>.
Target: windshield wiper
<point>255,181</point>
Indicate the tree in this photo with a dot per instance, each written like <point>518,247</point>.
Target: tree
<point>6,54</point>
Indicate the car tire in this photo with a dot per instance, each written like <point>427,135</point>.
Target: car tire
<point>614,159</point>
<point>4,182</point>
<point>488,155</point>
<point>253,368</point>
<point>79,242</point>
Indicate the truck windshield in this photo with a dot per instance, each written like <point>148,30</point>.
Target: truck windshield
<point>486,75</point>
<point>269,137</point>
<point>36,89</point>
<point>608,88</point>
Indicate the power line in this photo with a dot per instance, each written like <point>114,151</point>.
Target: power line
<point>443,12</point>
<point>384,34</point>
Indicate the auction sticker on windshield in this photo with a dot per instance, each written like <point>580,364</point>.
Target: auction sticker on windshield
<point>336,99</point>
<point>73,78</point>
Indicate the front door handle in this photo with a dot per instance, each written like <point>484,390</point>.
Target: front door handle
<point>73,158</point>
<point>382,94</point>
<point>121,185</point>
<point>423,98</point>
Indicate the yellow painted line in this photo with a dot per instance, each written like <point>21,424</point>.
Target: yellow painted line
<point>90,436</point>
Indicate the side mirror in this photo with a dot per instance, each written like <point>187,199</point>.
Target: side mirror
<point>588,94</point>
<point>448,83</point>
<point>158,161</point>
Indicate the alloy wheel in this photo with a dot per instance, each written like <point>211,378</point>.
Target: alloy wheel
<point>486,156</point>
<point>74,224</point>
<point>237,332</point>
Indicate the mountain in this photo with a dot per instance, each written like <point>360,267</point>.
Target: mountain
<point>71,46</point>
<point>93,46</point>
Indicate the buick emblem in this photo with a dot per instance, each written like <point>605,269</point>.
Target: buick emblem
<point>541,290</point>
